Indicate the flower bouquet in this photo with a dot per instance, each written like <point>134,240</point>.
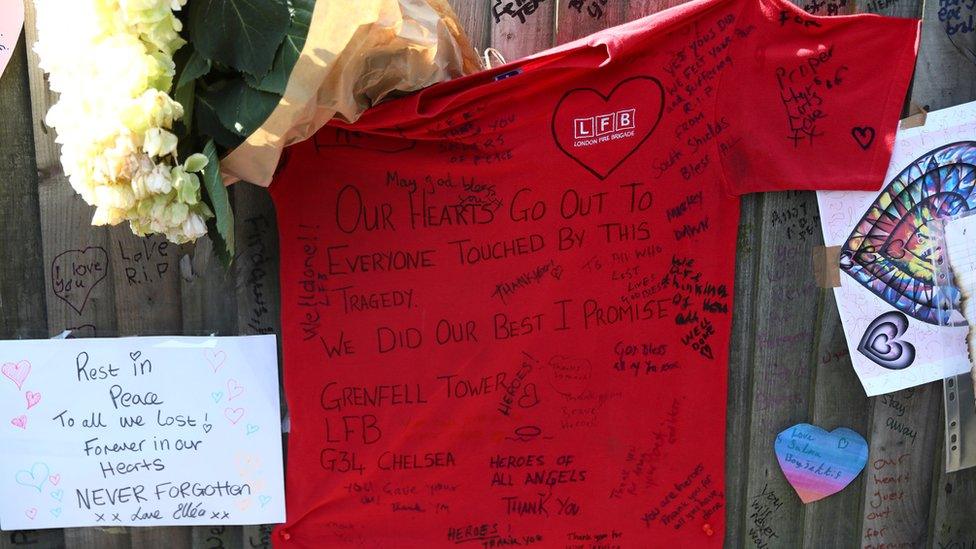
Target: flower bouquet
<point>153,93</point>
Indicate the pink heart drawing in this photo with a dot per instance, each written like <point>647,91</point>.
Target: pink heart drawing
<point>19,421</point>
<point>216,359</point>
<point>233,415</point>
<point>31,513</point>
<point>55,479</point>
<point>33,399</point>
<point>234,389</point>
<point>16,372</point>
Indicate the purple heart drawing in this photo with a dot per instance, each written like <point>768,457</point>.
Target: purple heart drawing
<point>817,463</point>
<point>882,344</point>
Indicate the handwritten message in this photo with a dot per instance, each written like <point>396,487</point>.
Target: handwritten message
<point>817,463</point>
<point>140,431</point>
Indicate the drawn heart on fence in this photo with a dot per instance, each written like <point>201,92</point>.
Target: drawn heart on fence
<point>19,421</point>
<point>16,372</point>
<point>233,415</point>
<point>35,478</point>
<point>33,399</point>
<point>881,342</point>
<point>234,389</point>
<point>216,359</point>
<point>817,463</point>
<point>75,273</point>
<point>599,132</point>
<point>863,135</point>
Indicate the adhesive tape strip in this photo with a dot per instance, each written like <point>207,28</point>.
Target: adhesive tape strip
<point>826,266</point>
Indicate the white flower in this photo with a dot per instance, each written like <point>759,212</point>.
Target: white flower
<point>194,227</point>
<point>158,181</point>
<point>111,62</point>
<point>159,142</point>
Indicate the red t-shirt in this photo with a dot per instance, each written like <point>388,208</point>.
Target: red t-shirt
<point>506,299</point>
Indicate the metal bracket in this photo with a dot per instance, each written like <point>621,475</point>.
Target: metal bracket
<point>960,414</point>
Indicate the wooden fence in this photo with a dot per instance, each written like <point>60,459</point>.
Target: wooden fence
<point>789,360</point>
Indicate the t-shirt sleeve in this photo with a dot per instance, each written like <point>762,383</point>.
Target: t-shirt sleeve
<point>815,101</point>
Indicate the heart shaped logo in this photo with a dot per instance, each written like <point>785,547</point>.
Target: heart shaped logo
<point>33,399</point>
<point>863,135</point>
<point>882,345</point>
<point>599,132</point>
<point>233,415</point>
<point>817,463</point>
<point>890,250</point>
<point>16,372</point>
<point>75,273</point>
<point>35,478</point>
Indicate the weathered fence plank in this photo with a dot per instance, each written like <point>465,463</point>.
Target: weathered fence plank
<point>783,336</point>
<point>838,401</point>
<point>22,308</point>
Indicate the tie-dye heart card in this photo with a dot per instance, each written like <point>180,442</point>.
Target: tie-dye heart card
<point>902,328</point>
<point>817,463</point>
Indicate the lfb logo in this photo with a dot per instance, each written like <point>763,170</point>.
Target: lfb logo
<point>602,124</point>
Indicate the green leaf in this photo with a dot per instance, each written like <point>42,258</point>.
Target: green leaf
<point>290,50</point>
<point>244,34</point>
<point>196,67</point>
<point>221,226</point>
<point>184,95</point>
<point>241,108</point>
<point>208,123</point>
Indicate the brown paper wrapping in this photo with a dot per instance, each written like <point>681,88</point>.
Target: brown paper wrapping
<point>357,52</point>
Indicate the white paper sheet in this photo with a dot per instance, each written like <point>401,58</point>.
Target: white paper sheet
<point>883,335</point>
<point>146,431</point>
<point>11,22</point>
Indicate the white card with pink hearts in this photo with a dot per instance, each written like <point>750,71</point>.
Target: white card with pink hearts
<point>140,431</point>
<point>903,327</point>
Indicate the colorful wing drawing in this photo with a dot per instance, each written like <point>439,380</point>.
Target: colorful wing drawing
<point>889,249</point>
